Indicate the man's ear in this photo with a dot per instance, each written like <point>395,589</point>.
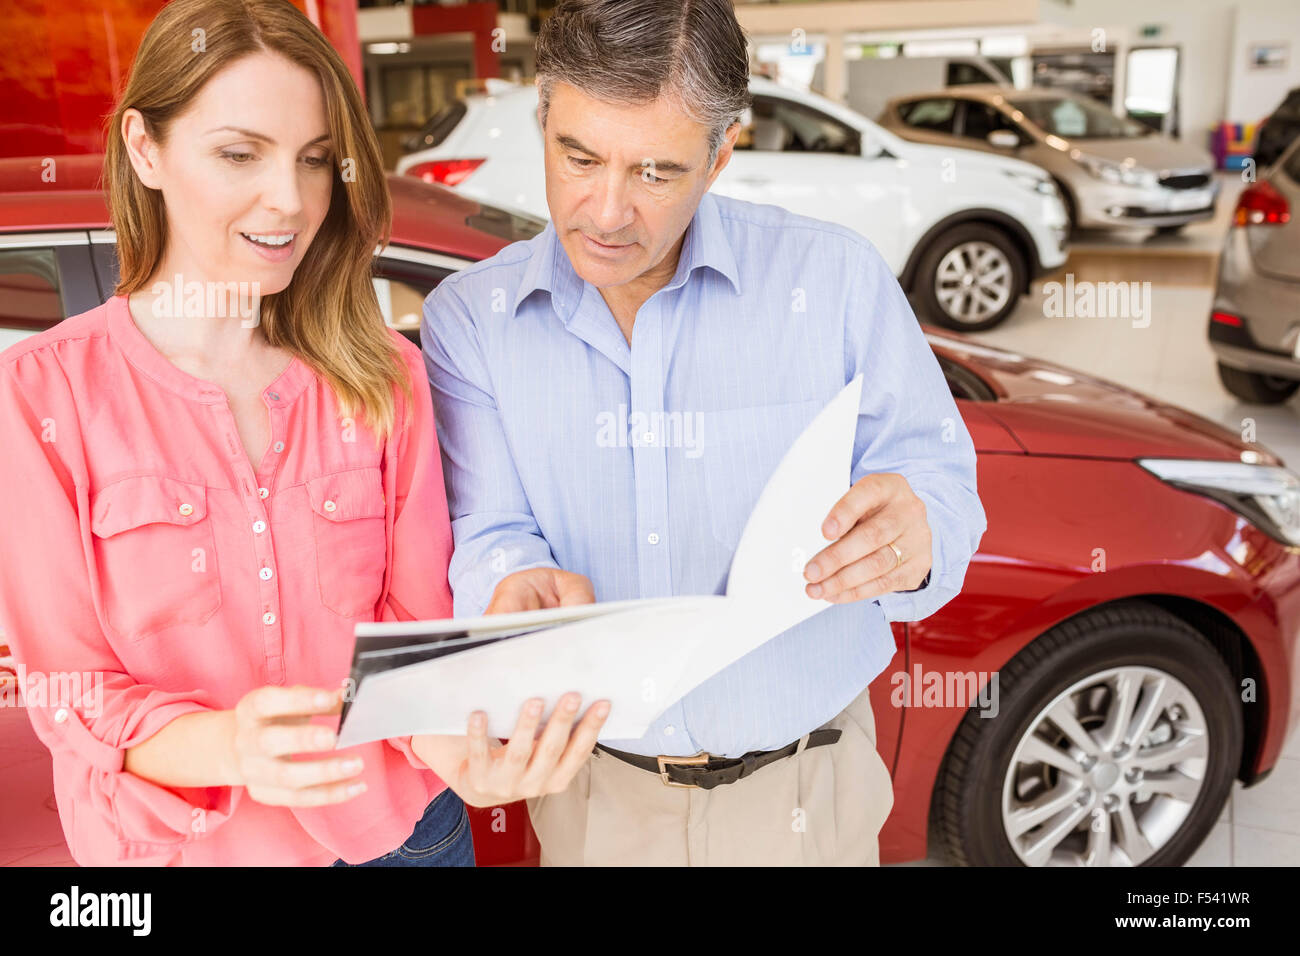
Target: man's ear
<point>141,150</point>
<point>724,151</point>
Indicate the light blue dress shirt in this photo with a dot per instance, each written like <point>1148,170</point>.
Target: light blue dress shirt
<point>638,465</point>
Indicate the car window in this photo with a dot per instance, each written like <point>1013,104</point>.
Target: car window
<point>982,119</point>
<point>1078,118</point>
<point>31,294</point>
<point>401,286</point>
<point>781,125</point>
<point>936,115</point>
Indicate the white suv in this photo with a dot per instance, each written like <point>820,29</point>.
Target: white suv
<point>964,231</point>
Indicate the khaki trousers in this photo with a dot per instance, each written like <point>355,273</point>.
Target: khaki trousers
<point>823,806</point>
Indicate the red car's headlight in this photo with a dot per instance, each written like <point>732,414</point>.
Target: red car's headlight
<point>1268,496</point>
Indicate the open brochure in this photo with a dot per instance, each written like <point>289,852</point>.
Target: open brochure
<point>642,655</point>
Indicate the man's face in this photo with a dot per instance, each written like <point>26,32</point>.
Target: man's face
<point>622,182</point>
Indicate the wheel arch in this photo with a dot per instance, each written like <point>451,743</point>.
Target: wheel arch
<point>994,218</point>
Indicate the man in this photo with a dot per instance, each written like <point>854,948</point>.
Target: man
<point>715,329</point>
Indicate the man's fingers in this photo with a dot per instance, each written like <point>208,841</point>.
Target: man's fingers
<point>575,589</point>
<point>866,495</point>
<point>865,538</point>
<point>874,567</point>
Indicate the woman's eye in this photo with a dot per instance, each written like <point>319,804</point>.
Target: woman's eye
<point>239,159</point>
<point>317,162</point>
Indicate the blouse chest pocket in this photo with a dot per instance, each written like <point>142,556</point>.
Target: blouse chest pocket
<point>351,539</point>
<point>155,554</point>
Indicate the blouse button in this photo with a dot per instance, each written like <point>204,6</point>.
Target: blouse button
<point>61,715</point>
<point>259,526</point>
<point>265,574</point>
<point>279,446</point>
<point>330,506</point>
<point>186,509</point>
<point>268,618</point>
<point>262,492</point>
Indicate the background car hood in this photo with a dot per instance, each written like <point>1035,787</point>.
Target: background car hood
<point>1054,410</point>
<point>1150,152</point>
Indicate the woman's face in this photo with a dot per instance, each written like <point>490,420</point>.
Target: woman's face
<point>245,174</point>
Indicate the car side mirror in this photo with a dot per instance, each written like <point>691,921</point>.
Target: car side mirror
<point>1003,139</point>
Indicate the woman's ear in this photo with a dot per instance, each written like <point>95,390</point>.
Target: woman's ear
<point>141,149</point>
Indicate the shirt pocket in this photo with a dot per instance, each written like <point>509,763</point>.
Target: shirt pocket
<point>155,552</point>
<point>741,448</point>
<point>351,539</point>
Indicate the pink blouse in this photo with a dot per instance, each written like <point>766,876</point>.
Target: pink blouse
<point>149,570</point>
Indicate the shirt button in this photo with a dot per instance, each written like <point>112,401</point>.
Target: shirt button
<point>279,446</point>
<point>330,506</point>
<point>265,574</point>
<point>268,618</point>
<point>670,730</point>
<point>262,492</point>
<point>273,396</point>
<point>186,509</point>
<point>61,715</point>
<point>259,526</point>
<point>652,537</point>
<point>648,437</point>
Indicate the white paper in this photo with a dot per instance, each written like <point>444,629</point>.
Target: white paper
<point>641,655</point>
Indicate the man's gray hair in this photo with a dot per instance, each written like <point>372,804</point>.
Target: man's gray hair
<point>632,51</point>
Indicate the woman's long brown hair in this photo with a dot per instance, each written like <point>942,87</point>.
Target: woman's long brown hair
<point>328,315</point>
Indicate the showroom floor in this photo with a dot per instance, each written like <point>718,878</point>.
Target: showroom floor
<point>1171,360</point>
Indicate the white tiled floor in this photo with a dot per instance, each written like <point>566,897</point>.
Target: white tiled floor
<point>1171,360</point>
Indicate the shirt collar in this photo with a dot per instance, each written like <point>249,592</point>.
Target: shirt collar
<point>706,244</point>
<point>142,354</point>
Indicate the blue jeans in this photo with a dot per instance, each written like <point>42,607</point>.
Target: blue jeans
<point>442,837</point>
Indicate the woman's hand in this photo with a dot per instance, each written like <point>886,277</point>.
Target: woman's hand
<point>485,774</point>
<point>269,726</point>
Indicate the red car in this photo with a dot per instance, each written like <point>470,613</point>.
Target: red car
<point>1125,645</point>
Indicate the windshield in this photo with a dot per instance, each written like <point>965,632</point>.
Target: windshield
<point>1078,118</point>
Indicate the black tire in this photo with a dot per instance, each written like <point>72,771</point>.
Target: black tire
<point>1256,388</point>
<point>927,273</point>
<point>967,805</point>
<point>1170,230</point>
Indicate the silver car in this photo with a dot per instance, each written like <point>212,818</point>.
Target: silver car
<point>1255,321</point>
<point>1111,171</point>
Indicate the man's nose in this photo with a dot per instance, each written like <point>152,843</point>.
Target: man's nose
<point>613,210</point>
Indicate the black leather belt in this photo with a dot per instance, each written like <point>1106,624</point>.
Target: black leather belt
<point>704,771</point>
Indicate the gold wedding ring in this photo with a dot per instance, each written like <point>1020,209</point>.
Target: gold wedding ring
<point>898,554</point>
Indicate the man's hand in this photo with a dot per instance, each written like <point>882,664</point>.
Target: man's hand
<point>878,510</point>
<point>538,588</point>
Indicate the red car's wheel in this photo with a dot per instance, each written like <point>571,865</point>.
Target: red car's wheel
<point>1115,743</point>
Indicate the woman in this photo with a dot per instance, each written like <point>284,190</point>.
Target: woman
<point>211,478</point>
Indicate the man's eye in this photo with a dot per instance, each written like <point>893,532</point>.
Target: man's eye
<point>581,163</point>
<point>239,159</point>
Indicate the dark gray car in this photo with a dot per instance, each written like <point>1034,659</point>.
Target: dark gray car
<point>1255,322</point>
